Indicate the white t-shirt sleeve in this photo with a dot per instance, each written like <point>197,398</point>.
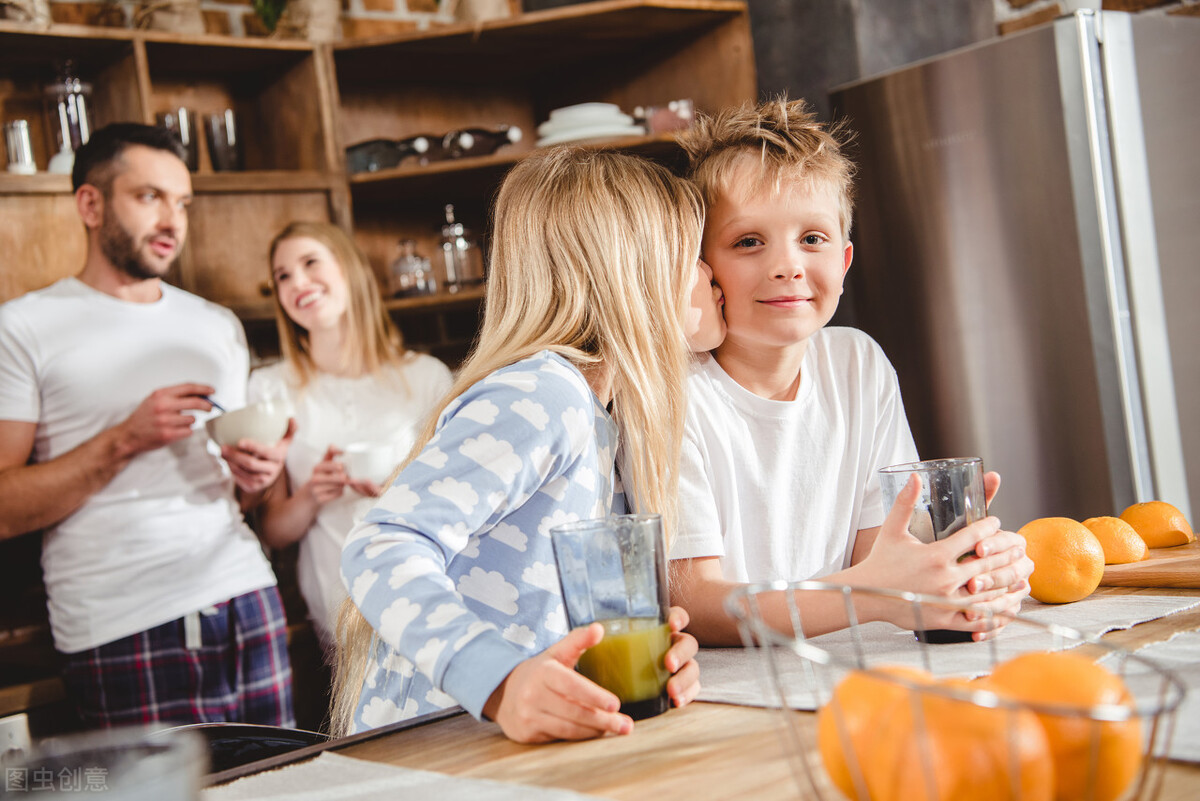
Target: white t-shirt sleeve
<point>892,443</point>
<point>699,532</point>
<point>19,395</point>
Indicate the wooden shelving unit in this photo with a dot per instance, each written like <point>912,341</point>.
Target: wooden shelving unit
<point>300,105</point>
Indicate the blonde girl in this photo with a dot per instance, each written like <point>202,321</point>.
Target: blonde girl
<point>350,380</point>
<point>581,351</point>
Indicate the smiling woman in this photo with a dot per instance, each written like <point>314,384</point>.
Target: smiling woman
<point>351,383</point>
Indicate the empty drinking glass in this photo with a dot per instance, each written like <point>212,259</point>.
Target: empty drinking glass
<point>182,122</point>
<point>952,497</point>
<point>224,141</point>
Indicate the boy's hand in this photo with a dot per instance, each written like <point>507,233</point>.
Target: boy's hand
<point>991,486</point>
<point>995,578</point>
<point>545,699</point>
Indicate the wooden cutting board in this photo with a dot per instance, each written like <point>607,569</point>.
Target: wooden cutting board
<point>1163,567</point>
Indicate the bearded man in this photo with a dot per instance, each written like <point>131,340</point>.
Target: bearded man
<point>159,595</point>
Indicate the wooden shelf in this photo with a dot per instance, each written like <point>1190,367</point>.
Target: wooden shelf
<point>516,48</point>
<point>413,183</point>
<point>97,35</point>
<point>246,181</point>
<point>265,310</point>
<point>42,183</point>
<point>221,58</point>
<point>442,300</point>
<point>251,181</point>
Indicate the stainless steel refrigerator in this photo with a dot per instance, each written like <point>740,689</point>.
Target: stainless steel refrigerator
<point>1027,252</point>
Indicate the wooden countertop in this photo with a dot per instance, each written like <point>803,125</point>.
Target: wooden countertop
<point>714,752</point>
<point>704,751</point>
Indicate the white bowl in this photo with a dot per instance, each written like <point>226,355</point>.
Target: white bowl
<point>585,111</point>
<point>370,460</point>
<point>554,127</point>
<point>592,132</point>
<point>265,422</point>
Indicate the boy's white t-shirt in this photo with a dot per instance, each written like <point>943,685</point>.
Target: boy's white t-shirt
<point>780,489</point>
<point>165,536</point>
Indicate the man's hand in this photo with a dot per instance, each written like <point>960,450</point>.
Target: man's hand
<point>161,418</point>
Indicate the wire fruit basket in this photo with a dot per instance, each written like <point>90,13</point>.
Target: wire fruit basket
<point>901,719</point>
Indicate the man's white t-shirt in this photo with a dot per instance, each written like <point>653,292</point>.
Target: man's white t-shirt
<point>780,489</point>
<point>165,537</point>
<point>387,409</point>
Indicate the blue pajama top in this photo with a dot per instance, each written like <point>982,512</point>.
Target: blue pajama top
<point>453,567</point>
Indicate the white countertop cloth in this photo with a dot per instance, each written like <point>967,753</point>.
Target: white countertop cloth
<point>1180,655</point>
<point>740,675</point>
<point>331,777</point>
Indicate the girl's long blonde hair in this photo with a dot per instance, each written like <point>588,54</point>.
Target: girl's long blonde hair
<point>592,257</point>
<point>371,340</point>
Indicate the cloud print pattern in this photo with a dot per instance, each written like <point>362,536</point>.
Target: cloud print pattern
<point>453,567</point>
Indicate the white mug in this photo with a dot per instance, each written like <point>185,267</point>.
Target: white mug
<point>373,461</point>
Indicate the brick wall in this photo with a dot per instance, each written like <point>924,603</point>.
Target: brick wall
<point>1015,15</point>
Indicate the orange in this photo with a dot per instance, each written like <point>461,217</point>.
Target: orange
<point>1068,561</point>
<point>1064,679</point>
<point>1121,543</point>
<point>1159,523</point>
<point>848,720</point>
<point>956,749</point>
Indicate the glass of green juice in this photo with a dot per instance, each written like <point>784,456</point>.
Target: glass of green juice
<point>613,571</point>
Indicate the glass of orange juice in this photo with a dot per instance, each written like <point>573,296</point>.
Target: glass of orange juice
<point>951,498</point>
<point>613,571</point>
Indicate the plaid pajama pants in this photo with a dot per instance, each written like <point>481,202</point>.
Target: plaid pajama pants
<point>228,663</point>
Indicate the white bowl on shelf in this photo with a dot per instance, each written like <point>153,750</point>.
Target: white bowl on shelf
<point>584,112</point>
<point>556,127</point>
<point>604,131</point>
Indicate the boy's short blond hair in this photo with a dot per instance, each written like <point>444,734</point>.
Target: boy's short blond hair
<point>789,143</point>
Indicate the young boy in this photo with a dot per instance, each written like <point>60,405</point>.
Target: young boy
<point>788,420</point>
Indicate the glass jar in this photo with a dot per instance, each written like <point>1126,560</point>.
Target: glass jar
<point>411,273</point>
<point>68,117</point>
<point>461,258</point>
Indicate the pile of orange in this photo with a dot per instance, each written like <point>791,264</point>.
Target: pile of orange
<point>1069,556</point>
<point>891,735</point>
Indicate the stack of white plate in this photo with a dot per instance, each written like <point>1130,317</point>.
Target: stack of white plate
<point>586,121</point>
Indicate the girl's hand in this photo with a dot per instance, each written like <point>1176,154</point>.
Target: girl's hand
<point>545,699</point>
<point>680,661</point>
<point>328,480</point>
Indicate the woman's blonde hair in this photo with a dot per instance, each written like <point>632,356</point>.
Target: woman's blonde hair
<point>788,142</point>
<point>370,339</point>
<point>592,257</point>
